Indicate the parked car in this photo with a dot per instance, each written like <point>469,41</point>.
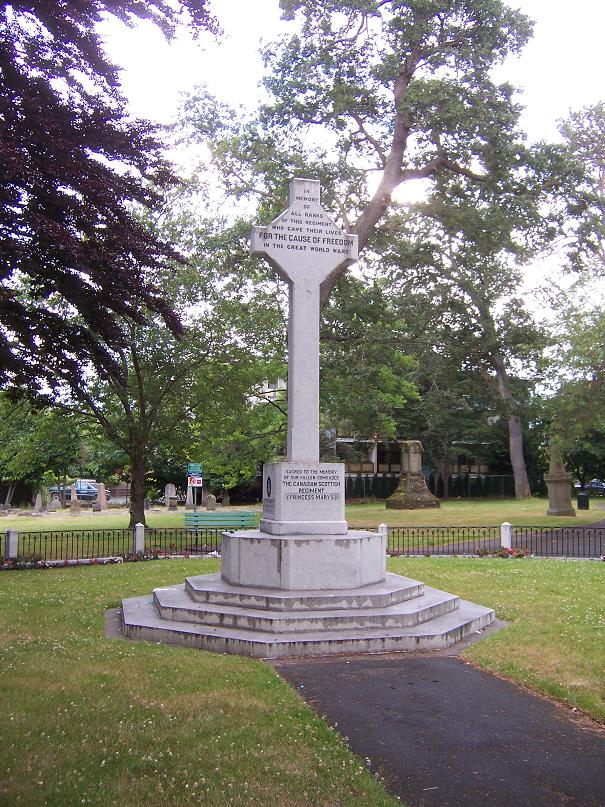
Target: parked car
<point>85,488</point>
<point>594,486</point>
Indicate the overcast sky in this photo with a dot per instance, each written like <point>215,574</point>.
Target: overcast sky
<point>561,68</point>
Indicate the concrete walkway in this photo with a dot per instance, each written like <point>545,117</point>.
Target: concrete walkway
<point>444,734</point>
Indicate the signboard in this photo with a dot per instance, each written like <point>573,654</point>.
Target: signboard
<point>194,469</point>
<point>195,481</point>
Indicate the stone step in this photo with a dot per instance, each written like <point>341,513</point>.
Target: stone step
<point>141,621</point>
<point>173,603</point>
<point>210,588</point>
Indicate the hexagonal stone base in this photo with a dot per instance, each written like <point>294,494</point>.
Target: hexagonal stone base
<point>207,613</point>
<point>303,562</point>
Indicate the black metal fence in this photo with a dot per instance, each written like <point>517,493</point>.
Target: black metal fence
<point>74,544</point>
<point>442,540</point>
<point>180,541</point>
<point>63,545</point>
<point>563,542</point>
<point>369,486</point>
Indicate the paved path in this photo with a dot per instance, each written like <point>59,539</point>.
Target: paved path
<point>444,734</point>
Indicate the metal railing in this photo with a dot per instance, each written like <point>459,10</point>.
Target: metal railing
<point>64,545</point>
<point>74,544</point>
<point>561,542</point>
<point>442,540</point>
<point>181,541</point>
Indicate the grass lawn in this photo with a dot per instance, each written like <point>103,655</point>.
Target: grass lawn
<point>453,513</point>
<point>556,641</point>
<point>89,720</point>
<point>95,721</point>
<point>472,512</point>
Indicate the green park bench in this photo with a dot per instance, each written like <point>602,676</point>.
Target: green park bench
<point>215,519</point>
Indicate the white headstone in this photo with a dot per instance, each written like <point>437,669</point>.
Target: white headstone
<point>169,493</point>
<point>38,506</point>
<point>302,495</point>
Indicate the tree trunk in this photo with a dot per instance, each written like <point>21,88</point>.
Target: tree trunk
<point>10,493</point>
<point>515,431</point>
<point>445,475</point>
<point>138,468</point>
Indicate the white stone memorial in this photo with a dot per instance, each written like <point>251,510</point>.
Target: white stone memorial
<point>169,493</point>
<point>303,584</point>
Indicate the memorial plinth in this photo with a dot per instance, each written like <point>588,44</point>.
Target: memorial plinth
<point>412,492</point>
<point>558,483</point>
<point>304,498</point>
<point>303,584</point>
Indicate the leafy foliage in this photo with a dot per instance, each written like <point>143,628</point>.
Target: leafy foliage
<point>584,133</point>
<point>73,165</point>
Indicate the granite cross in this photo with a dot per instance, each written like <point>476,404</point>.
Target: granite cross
<point>305,246</point>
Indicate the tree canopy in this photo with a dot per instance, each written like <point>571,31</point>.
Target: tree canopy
<point>74,166</point>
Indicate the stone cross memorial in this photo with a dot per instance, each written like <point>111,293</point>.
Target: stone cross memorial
<point>303,584</point>
<point>306,247</point>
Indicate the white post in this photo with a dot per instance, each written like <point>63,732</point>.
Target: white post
<point>383,529</point>
<point>506,535</point>
<point>139,538</point>
<point>12,543</point>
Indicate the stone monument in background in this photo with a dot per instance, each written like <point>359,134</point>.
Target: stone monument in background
<point>412,492</point>
<point>303,584</point>
<point>74,502</point>
<point>169,494</point>
<point>101,496</point>
<point>558,482</point>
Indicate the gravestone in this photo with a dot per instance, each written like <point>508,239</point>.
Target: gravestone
<point>558,482</point>
<point>101,496</point>
<point>169,493</point>
<point>189,500</point>
<point>411,492</point>
<point>74,504</point>
<point>303,584</point>
<point>211,502</point>
<point>226,498</point>
<point>38,506</point>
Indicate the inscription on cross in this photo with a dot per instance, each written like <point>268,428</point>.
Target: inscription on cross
<point>305,246</point>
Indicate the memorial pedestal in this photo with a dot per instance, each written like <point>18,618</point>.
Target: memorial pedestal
<point>303,562</point>
<point>304,498</point>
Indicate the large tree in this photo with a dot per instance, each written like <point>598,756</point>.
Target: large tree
<point>73,166</point>
<point>371,95</point>
<point>584,134</point>
<point>174,399</point>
